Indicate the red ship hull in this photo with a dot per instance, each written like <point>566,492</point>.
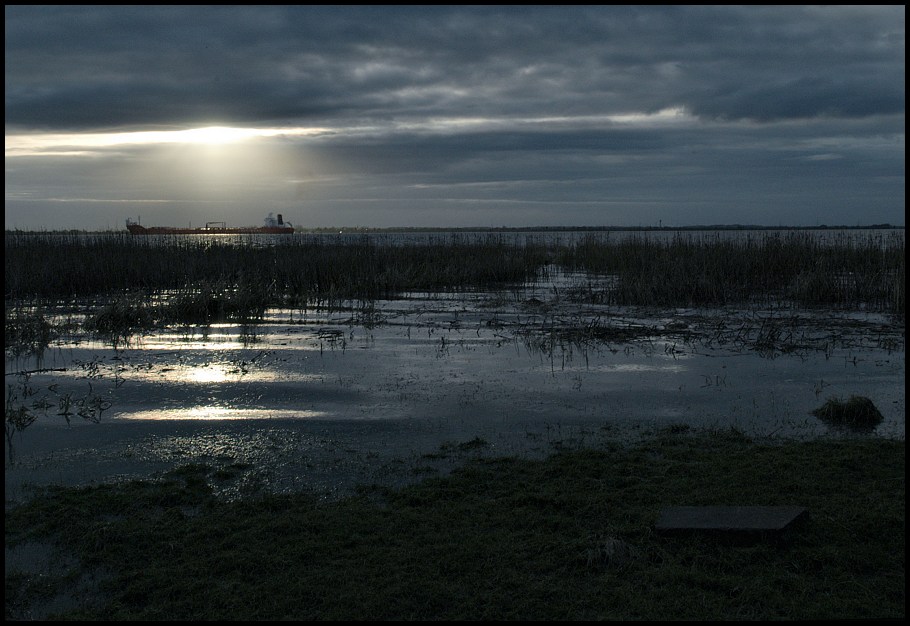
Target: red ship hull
<point>137,229</point>
<point>271,226</point>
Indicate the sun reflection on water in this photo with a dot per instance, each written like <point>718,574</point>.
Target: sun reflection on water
<point>207,374</point>
<point>221,413</point>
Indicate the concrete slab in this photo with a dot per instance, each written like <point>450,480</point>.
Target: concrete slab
<point>729,519</point>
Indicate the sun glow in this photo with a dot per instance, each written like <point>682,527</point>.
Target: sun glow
<point>93,144</point>
<point>82,144</point>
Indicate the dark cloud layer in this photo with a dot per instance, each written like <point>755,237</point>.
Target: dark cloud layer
<point>768,96</point>
<point>73,67</point>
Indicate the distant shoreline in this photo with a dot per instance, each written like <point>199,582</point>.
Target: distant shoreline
<point>520,229</point>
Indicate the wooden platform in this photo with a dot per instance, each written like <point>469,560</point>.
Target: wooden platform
<point>739,521</point>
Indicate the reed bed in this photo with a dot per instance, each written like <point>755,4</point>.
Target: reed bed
<point>797,268</point>
<point>58,267</point>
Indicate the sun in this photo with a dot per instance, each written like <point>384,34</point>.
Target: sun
<point>216,135</point>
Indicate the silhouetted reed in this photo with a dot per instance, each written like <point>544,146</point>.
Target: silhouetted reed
<point>229,280</point>
<point>713,271</point>
<point>46,265</point>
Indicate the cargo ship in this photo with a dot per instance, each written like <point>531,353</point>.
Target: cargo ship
<point>272,226</point>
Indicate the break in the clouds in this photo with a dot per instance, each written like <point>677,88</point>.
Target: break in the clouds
<point>454,116</point>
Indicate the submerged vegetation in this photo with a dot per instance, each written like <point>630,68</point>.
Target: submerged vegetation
<point>115,286</point>
<point>570,537</point>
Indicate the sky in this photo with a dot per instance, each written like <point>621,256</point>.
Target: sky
<point>435,116</point>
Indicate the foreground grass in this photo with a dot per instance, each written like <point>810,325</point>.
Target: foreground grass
<point>498,539</point>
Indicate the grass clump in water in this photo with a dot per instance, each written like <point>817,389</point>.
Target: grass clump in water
<point>570,537</point>
<point>858,412</point>
<point>217,303</point>
<point>26,330</point>
<point>121,317</point>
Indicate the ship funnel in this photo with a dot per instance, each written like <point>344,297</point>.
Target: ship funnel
<point>280,220</point>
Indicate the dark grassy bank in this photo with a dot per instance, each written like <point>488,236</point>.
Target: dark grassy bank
<point>685,271</point>
<point>566,538</point>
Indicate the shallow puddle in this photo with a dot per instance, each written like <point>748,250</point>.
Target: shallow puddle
<point>389,393</point>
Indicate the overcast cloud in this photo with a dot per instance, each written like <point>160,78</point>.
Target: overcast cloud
<point>456,116</point>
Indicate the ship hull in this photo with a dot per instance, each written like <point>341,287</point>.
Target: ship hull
<point>136,229</point>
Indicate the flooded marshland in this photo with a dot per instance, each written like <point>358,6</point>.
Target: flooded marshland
<point>324,384</point>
